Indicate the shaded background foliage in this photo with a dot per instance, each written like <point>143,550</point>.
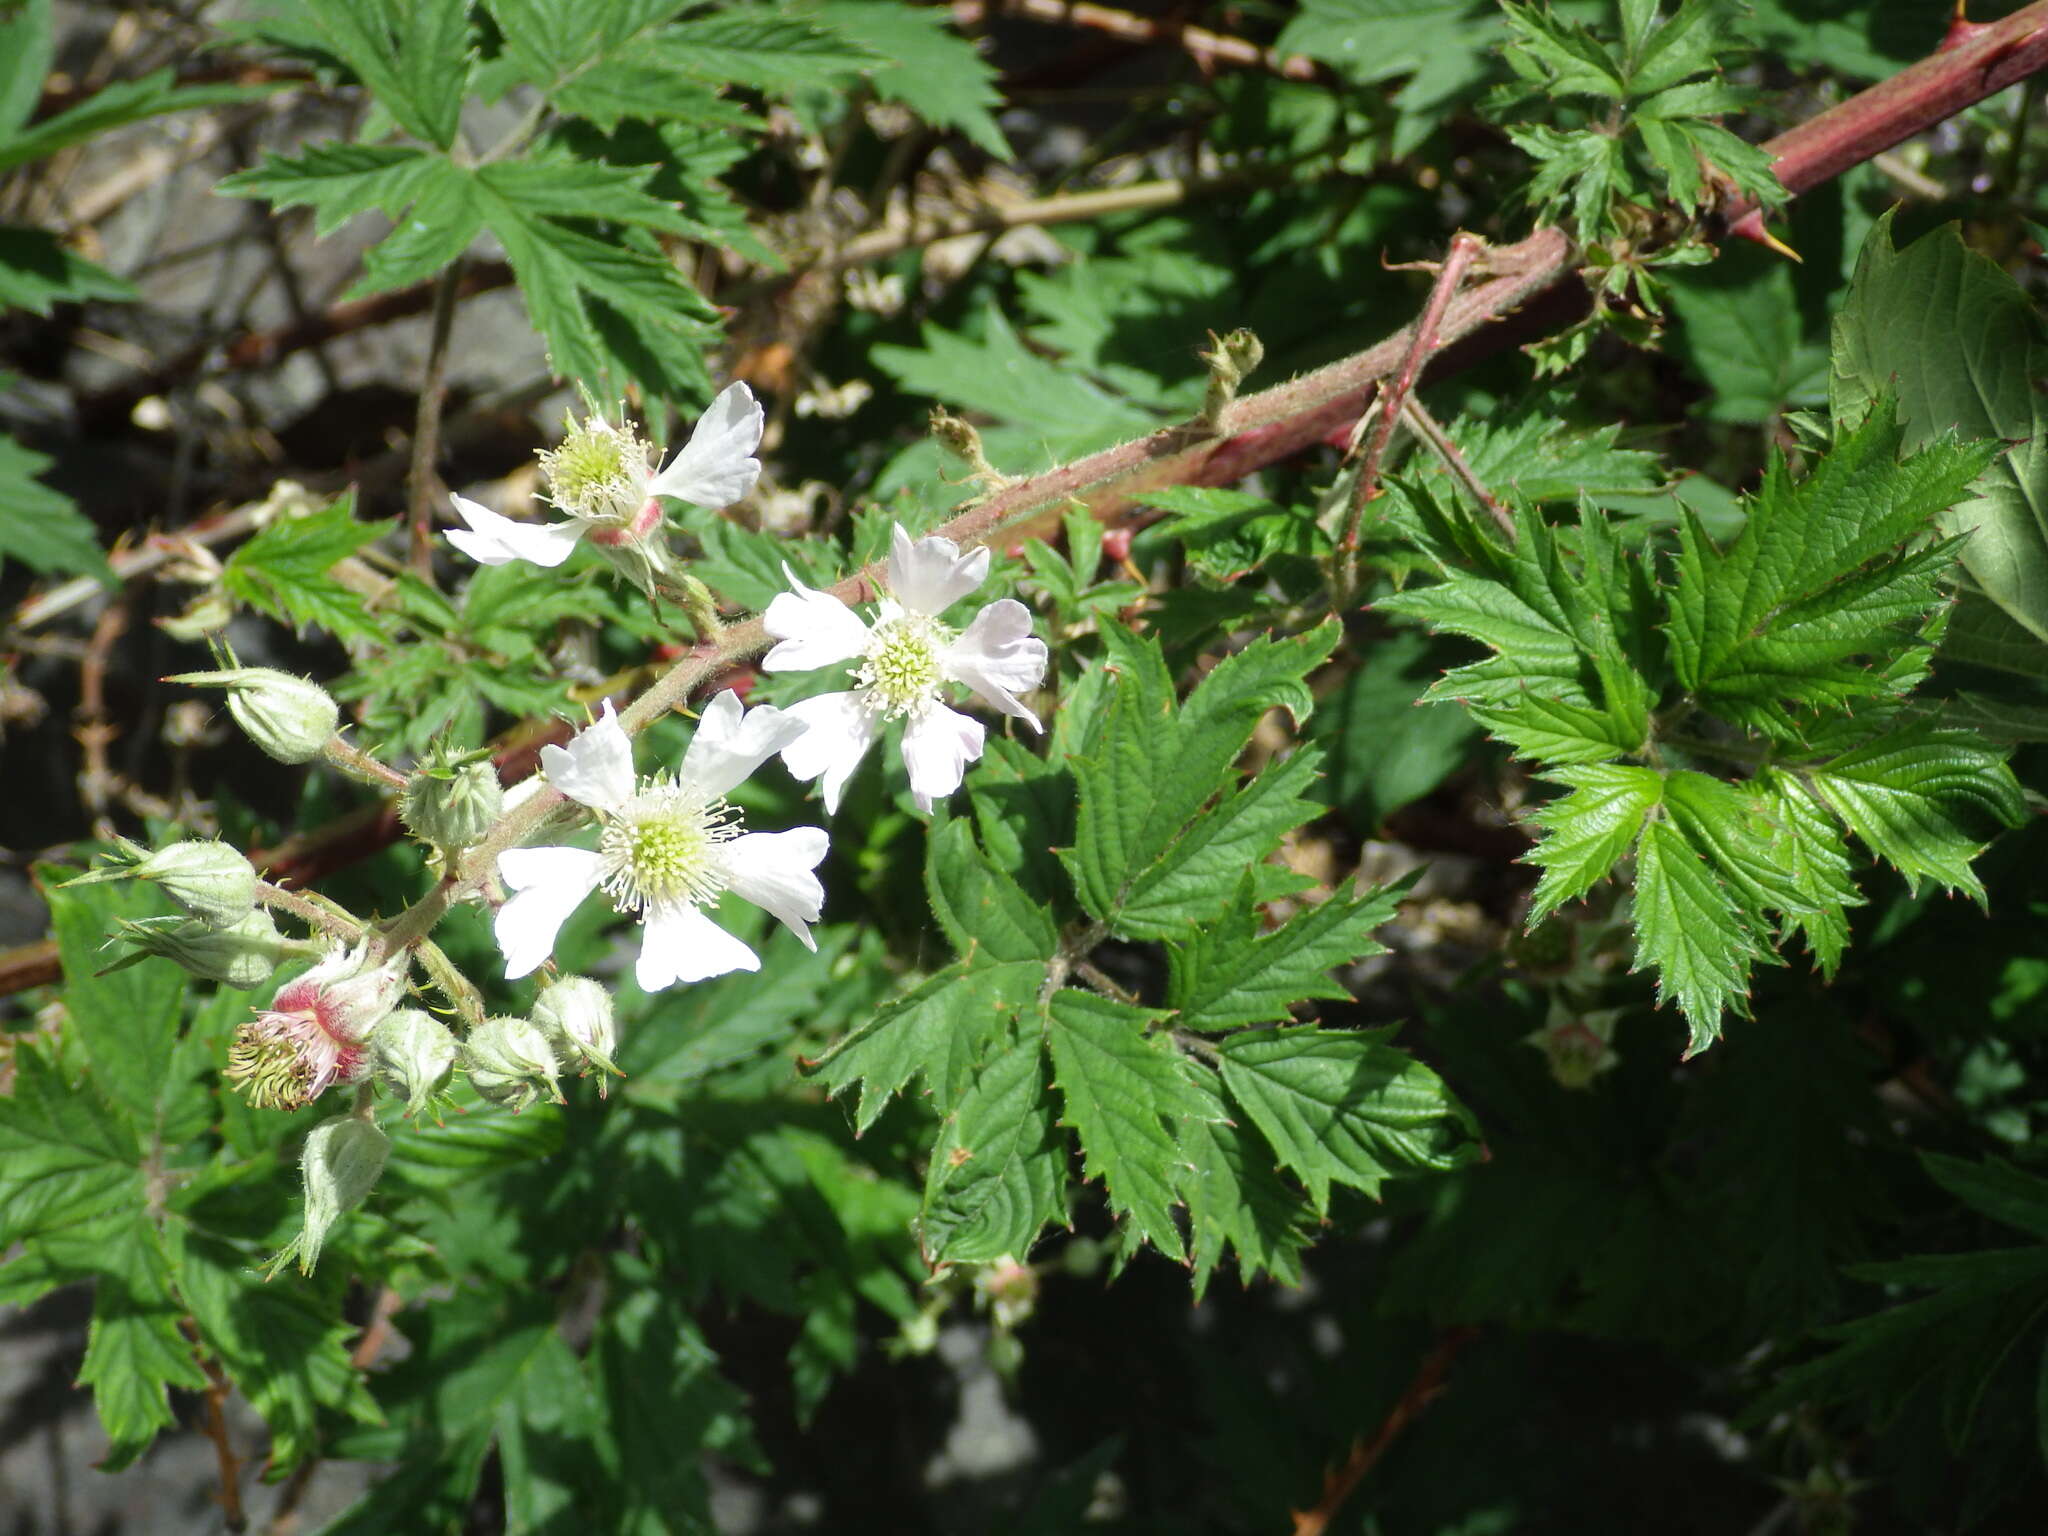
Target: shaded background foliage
<point>1684,1299</point>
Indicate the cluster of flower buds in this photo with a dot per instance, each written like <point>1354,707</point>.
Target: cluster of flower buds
<point>518,1062</point>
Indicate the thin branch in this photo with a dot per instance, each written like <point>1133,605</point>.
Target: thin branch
<point>1206,48</point>
<point>425,484</point>
<point>1338,1485</point>
<point>1422,341</point>
<point>1426,427</point>
<point>313,913</point>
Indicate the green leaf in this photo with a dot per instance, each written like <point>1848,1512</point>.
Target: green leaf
<point>1384,747</point>
<point>1963,348</point>
<point>1739,327</point>
<point>1924,798</point>
<point>1124,1090</point>
<point>936,73</point>
<point>128,1020</point>
<point>413,57</point>
<point>124,101</point>
<point>68,1161</point>
<point>285,1349</point>
<point>998,1171</point>
<point>283,570</point>
<point>1346,1108</point>
<point>1228,972</point>
<point>1589,830</point>
<point>1150,766</point>
<point>2004,1193</point>
<point>1444,47</point>
<point>38,272</point>
<point>1193,880</point>
<point>1692,931</point>
<point>40,527</point>
<point>939,1031</point>
<point>663,1392</point>
<point>1816,579</point>
<point>983,911</point>
<point>1228,534</point>
<point>27,42</point>
<point>1236,1199</point>
<point>134,1349</point>
<point>339,180</point>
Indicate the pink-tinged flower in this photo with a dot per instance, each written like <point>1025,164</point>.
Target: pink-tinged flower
<point>603,477</point>
<point>316,1031</point>
<point>906,658</point>
<point>668,847</point>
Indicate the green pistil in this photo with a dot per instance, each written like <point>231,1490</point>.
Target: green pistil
<point>662,850</point>
<point>901,673</point>
<point>599,472</point>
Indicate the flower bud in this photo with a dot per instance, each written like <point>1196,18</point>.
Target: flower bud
<point>341,1164</point>
<point>244,954</point>
<point>207,614</point>
<point>511,1063</point>
<point>452,805</point>
<point>575,1014</point>
<point>209,880</point>
<point>291,718</point>
<point>316,1031</point>
<point>1010,1290</point>
<point>413,1055</point>
<point>1577,1045</point>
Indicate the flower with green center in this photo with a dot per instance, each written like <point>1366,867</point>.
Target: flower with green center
<point>906,658</point>
<point>668,847</point>
<point>603,477</point>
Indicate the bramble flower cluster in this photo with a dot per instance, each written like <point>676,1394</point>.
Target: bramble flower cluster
<point>668,845</point>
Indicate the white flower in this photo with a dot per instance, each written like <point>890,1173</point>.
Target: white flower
<point>904,658</point>
<point>603,477</point>
<point>669,846</point>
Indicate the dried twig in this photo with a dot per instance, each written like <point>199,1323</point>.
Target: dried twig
<point>1206,48</point>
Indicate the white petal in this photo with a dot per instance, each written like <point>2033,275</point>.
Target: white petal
<point>937,747</point>
<point>494,540</point>
<point>932,575</point>
<point>716,467</point>
<point>837,735</point>
<point>773,871</point>
<point>549,883</point>
<point>732,741</point>
<point>997,657</point>
<point>815,628</point>
<point>682,944</point>
<point>596,768</point>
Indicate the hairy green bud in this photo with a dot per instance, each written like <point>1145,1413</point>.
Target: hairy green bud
<point>511,1063</point>
<point>413,1055</point>
<point>208,879</point>
<point>452,804</point>
<point>575,1014</point>
<point>343,1159</point>
<point>244,954</point>
<point>291,718</point>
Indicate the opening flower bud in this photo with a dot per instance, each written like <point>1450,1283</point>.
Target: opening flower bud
<point>244,954</point>
<point>343,1159</point>
<point>511,1063</point>
<point>289,717</point>
<point>576,1016</point>
<point>452,804</point>
<point>315,1033</point>
<point>413,1055</point>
